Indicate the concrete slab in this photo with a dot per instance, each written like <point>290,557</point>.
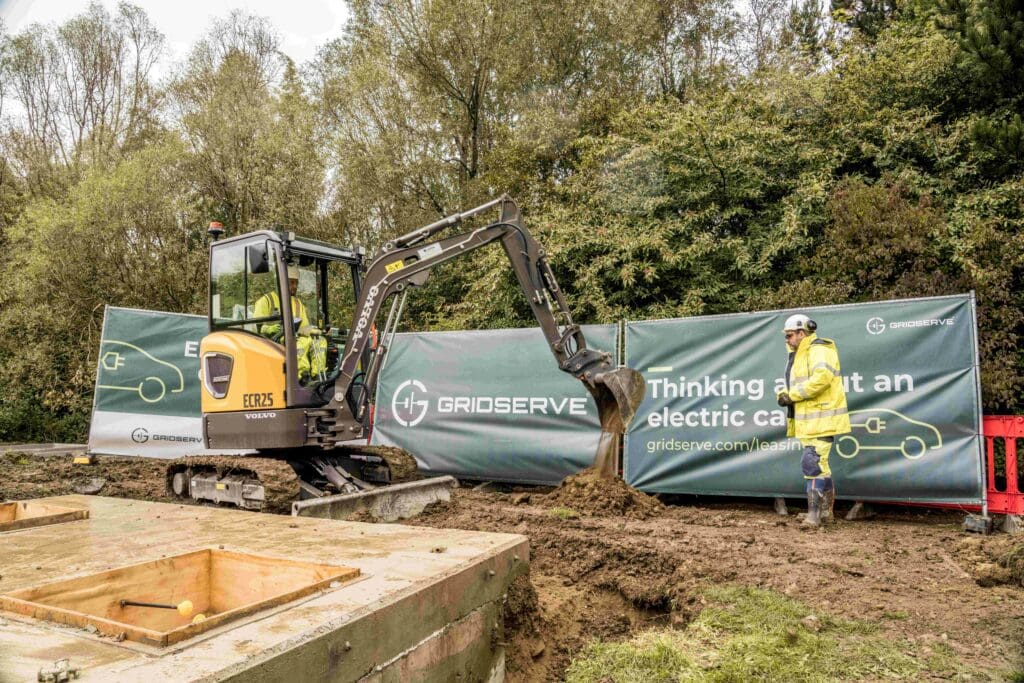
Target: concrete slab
<point>44,448</point>
<point>427,605</point>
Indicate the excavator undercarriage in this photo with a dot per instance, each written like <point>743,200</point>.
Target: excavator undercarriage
<point>272,481</point>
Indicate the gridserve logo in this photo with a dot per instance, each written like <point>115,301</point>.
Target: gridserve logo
<point>411,402</point>
<point>407,405</point>
<point>878,325</point>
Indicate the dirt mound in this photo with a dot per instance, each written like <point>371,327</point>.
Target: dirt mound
<point>589,492</point>
<point>992,560</point>
<point>1013,562</point>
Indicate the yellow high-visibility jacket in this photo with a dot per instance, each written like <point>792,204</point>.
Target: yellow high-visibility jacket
<point>270,304</point>
<point>816,387</point>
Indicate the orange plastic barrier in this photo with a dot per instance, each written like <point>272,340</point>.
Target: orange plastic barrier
<point>1009,428</point>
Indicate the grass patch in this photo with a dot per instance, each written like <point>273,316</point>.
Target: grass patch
<point>747,634</point>
<point>563,513</point>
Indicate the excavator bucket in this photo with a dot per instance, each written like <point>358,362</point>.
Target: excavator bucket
<point>618,394</point>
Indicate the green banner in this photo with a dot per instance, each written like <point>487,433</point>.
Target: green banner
<point>709,423</point>
<point>488,405</point>
<point>147,384</point>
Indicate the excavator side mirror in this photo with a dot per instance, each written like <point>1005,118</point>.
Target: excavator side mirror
<point>258,257</point>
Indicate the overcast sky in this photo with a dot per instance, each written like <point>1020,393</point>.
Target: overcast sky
<point>303,25</point>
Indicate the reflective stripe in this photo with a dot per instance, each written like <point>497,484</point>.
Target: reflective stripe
<point>823,364</point>
<point>822,413</point>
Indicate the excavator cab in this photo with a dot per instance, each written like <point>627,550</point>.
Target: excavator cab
<point>278,310</point>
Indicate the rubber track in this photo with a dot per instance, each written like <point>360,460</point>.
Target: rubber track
<point>401,463</point>
<point>280,483</point>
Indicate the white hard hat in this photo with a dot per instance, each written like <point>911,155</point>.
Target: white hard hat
<point>293,272</point>
<point>799,321</point>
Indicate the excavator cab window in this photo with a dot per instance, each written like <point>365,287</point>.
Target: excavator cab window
<point>240,277</point>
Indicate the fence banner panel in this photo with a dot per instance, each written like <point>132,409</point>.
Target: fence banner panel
<point>488,405</point>
<point>710,425</point>
<point>147,385</point>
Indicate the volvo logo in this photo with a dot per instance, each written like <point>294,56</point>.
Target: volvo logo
<point>140,435</point>
<point>407,406</point>
<point>876,326</point>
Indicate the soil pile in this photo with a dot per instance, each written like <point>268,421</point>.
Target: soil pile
<point>589,492</point>
<point>1013,562</point>
<point>992,560</point>
<point>609,576</point>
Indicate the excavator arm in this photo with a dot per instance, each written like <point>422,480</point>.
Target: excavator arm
<point>407,261</point>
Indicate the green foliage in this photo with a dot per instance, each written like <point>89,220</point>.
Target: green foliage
<point>990,34</point>
<point>122,237</point>
<point>869,17</point>
<point>748,634</point>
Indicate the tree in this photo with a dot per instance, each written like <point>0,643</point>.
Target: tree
<point>868,17</point>
<point>990,34</point>
<point>249,128</point>
<point>84,92</point>
<point>127,235</point>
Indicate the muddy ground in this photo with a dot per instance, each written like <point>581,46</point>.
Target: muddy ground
<point>611,570</point>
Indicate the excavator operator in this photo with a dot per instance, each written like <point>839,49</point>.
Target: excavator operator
<point>310,346</point>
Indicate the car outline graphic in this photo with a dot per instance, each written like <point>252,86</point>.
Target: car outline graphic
<point>112,361</point>
<point>876,425</point>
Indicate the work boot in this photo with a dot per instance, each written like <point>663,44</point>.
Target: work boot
<point>828,500</point>
<point>813,518</point>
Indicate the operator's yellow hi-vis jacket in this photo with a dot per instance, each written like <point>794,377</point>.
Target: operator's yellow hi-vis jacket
<point>816,387</point>
<point>311,354</point>
<point>270,304</point>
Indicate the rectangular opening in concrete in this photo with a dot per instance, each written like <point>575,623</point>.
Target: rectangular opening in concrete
<point>25,514</point>
<point>200,590</point>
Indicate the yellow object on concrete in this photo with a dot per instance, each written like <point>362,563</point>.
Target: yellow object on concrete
<point>199,618</point>
<point>84,459</point>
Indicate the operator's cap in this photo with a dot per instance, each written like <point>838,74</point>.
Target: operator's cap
<point>799,321</point>
<point>293,272</point>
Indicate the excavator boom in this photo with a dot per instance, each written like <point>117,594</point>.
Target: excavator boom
<point>407,261</point>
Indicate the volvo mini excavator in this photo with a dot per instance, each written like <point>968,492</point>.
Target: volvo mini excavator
<point>304,420</point>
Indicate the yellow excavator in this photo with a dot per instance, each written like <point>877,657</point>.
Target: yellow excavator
<point>288,368</point>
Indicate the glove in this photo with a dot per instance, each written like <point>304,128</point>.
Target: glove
<point>783,399</point>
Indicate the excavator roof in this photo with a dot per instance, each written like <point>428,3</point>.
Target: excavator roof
<point>302,245</point>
